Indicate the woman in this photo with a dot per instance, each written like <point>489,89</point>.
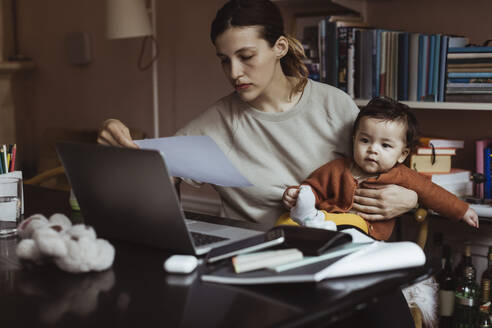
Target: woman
<point>273,127</point>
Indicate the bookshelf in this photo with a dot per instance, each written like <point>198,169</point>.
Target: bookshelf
<point>437,17</point>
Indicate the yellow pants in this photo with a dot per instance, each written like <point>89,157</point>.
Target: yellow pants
<point>342,220</point>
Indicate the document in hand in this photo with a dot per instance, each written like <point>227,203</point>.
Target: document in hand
<point>198,158</point>
<point>364,258</point>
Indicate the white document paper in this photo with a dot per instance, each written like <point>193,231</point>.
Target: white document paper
<point>379,256</point>
<point>197,158</point>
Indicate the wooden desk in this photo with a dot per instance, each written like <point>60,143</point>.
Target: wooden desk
<point>136,292</point>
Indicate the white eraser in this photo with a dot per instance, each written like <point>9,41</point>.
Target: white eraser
<point>180,264</point>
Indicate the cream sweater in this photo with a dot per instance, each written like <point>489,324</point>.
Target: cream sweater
<point>276,150</point>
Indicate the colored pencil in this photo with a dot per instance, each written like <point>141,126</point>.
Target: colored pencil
<point>12,162</point>
<point>2,170</point>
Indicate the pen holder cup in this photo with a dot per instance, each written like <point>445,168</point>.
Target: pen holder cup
<point>11,203</point>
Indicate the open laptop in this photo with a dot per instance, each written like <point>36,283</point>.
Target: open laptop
<point>127,194</point>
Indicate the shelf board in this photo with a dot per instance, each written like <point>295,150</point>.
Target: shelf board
<point>438,105</point>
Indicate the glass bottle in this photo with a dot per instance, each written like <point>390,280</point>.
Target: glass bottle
<point>466,260</point>
<point>446,281</point>
<point>466,300</point>
<point>484,319</point>
<point>486,280</point>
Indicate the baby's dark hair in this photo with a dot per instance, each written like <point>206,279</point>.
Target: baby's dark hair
<point>388,109</point>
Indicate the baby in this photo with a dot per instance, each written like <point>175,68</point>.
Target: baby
<point>384,133</point>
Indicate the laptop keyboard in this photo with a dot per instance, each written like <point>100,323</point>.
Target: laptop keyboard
<point>201,239</point>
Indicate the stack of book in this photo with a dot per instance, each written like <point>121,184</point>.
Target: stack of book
<point>469,74</point>
<point>433,158</point>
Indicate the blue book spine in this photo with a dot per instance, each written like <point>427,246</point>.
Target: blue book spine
<point>469,49</point>
<point>469,74</point>
<point>425,66</point>
<point>432,49</point>
<point>486,169</point>
<point>437,58</point>
<point>421,66</point>
<point>443,68</point>
<point>471,80</point>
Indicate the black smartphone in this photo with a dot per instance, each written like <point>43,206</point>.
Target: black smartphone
<point>251,244</point>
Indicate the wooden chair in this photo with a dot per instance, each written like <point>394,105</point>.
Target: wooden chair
<point>420,217</point>
<point>40,179</point>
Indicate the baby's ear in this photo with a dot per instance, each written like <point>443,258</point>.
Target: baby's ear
<point>404,154</point>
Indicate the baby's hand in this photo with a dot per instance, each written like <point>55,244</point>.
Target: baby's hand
<point>289,198</point>
<point>471,217</point>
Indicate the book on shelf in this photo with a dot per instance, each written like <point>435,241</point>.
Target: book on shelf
<point>377,63</point>
<point>403,53</point>
<point>480,146</point>
<point>476,49</point>
<point>370,257</point>
<point>413,64</point>
<point>481,61</point>
<point>430,163</point>
<point>458,41</point>
<point>470,65</point>
<point>469,55</point>
<point>469,97</point>
<point>457,69</point>
<point>430,74</point>
<point>457,181</point>
<point>436,151</point>
<point>470,75</point>
<point>455,175</point>
<point>443,67</point>
<point>434,90</point>
<point>343,58</point>
<point>423,66</point>
<point>394,65</point>
<point>440,142</point>
<point>487,187</point>
<point>383,57</point>
<point>470,83</point>
<point>459,189</point>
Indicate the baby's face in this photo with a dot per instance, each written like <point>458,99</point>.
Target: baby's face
<point>379,145</point>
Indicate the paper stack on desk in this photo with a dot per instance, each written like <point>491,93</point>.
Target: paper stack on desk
<point>345,260</point>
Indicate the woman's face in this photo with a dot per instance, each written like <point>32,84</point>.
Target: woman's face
<point>248,61</point>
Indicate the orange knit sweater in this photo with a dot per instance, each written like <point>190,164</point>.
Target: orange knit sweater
<point>334,188</point>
